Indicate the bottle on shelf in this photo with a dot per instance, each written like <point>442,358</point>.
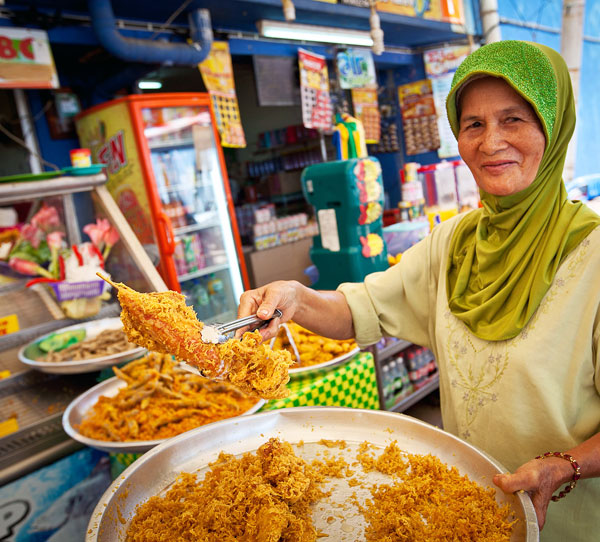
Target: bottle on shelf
<point>386,384</point>
<point>202,304</point>
<point>398,364</point>
<point>217,294</point>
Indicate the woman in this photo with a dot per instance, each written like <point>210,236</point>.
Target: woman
<point>507,296</point>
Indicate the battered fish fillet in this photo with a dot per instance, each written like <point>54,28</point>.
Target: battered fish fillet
<point>162,322</point>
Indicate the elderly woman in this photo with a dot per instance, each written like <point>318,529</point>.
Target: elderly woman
<point>506,296</point>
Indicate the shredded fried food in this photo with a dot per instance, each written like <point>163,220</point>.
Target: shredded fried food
<point>106,343</point>
<point>269,497</point>
<point>162,322</point>
<point>262,497</point>
<point>312,348</point>
<point>161,400</point>
<point>427,500</point>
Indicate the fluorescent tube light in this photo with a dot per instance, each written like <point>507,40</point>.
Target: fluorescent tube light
<point>310,32</point>
<point>149,85</point>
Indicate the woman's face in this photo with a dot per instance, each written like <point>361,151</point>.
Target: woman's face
<point>500,138</point>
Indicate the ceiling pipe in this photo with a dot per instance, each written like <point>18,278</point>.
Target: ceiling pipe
<point>150,51</point>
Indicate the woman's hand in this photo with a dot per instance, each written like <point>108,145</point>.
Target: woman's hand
<point>540,478</point>
<point>263,301</point>
<point>323,312</point>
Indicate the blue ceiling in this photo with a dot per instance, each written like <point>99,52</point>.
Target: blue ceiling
<point>227,16</point>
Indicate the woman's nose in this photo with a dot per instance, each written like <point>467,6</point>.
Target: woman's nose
<point>492,140</point>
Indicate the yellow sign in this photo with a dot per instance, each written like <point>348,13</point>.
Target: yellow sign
<point>449,11</point>
<point>217,74</point>
<point>9,324</point>
<point>8,426</point>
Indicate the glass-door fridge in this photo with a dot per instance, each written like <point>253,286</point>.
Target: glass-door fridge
<point>166,171</point>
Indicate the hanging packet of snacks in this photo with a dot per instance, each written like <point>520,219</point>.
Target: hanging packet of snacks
<point>217,74</point>
<point>314,90</point>
<point>440,65</point>
<point>366,109</point>
<point>419,119</point>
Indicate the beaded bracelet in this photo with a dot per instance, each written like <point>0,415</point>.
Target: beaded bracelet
<point>576,475</point>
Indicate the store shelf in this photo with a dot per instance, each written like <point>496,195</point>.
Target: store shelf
<point>202,272</point>
<point>392,349</point>
<point>171,145</point>
<point>432,384</point>
<point>184,230</point>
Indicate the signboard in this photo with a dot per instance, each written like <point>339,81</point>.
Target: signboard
<point>449,11</point>
<point>440,65</point>
<point>314,89</point>
<point>217,74</point>
<point>26,59</point>
<point>356,69</point>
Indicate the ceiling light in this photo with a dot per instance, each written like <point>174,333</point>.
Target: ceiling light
<point>310,32</point>
<point>149,85</point>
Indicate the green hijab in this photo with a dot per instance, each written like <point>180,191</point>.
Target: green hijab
<point>504,256</point>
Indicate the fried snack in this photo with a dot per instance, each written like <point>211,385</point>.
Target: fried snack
<point>313,348</point>
<point>427,500</point>
<point>106,343</point>
<point>262,497</point>
<point>161,400</point>
<point>162,322</point>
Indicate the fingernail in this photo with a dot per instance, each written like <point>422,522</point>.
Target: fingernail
<point>263,312</point>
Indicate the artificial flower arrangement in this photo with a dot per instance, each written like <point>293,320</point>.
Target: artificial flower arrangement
<point>39,250</point>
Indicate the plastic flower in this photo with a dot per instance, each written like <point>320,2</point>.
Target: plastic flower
<point>54,241</point>
<point>110,238</point>
<point>27,267</point>
<point>33,234</point>
<point>97,231</point>
<point>46,219</point>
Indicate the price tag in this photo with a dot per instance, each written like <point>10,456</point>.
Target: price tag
<point>9,324</point>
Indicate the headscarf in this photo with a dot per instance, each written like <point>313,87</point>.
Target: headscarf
<point>504,256</point>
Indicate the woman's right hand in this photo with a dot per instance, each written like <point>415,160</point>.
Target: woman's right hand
<point>324,312</point>
<point>282,294</point>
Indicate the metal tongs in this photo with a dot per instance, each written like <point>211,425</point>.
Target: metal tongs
<point>217,333</point>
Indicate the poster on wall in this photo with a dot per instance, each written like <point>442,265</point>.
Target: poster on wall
<point>419,119</point>
<point>440,65</point>
<point>356,69</point>
<point>280,90</point>
<point>314,91</point>
<point>449,11</point>
<point>26,59</point>
<point>217,74</point>
<point>366,109</point>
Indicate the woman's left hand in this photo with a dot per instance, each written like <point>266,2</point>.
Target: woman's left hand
<point>540,478</point>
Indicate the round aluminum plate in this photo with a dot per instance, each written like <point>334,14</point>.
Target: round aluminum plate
<point>77,409</point>
<point>325,366</point>
<point>153,473</point>
<point>31,351</point>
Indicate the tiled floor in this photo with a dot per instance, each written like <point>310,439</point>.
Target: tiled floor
<point>428,410</point>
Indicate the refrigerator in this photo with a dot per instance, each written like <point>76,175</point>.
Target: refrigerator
<point>166,171</point>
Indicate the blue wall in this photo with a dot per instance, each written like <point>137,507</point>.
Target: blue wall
<point>517,18</point>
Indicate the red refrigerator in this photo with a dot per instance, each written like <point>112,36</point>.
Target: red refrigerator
<point>166,171</point>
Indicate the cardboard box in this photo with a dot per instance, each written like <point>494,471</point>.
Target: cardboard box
<point>283,262</point>
<point>285,182</point>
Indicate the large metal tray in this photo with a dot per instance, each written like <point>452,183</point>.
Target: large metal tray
<point>77,409</point>
<point>319,368</point>
<point>193,451</point>
<point>31,351</point>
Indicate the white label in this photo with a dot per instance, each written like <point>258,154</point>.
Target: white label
<point>329,230</point>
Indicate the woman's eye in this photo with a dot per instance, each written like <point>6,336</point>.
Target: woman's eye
<point>513,119</point>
